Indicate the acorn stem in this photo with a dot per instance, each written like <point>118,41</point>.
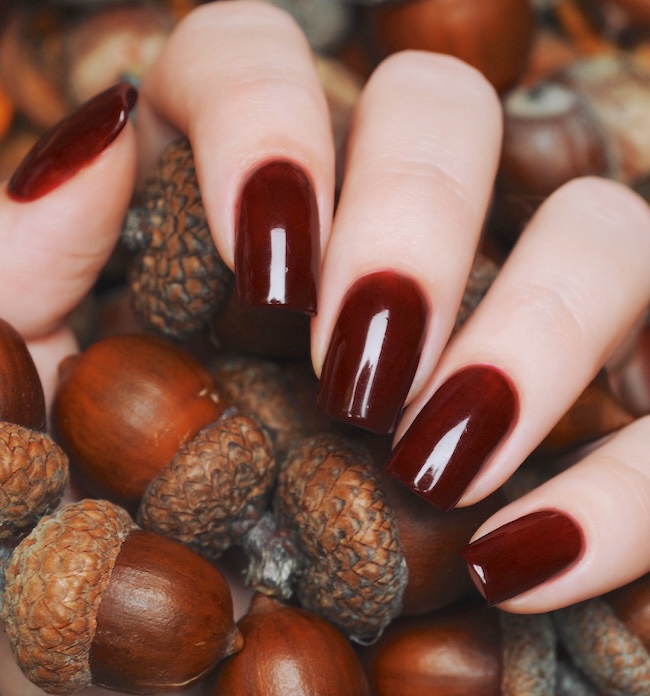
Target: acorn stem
<point>274,560</point>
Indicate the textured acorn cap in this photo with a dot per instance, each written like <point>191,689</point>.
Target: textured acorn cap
<point>330,500</point>
<point>33,476</point>
<point>215,488</point>
<point>177,280</point>
<point>259,387</point>
<point>54,585</point>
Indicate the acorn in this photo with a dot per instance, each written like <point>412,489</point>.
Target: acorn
<point>123,408</point>
<point>177,279</point>
<point>92,599</point>
<point>22,400</point>
<point>215,488</point>
<point>288,650</point>
<point>608,638</point>
<point>334,541</point>
<point>465,649</point>
<point>495,37</point>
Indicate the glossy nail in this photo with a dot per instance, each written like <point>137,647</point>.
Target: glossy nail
<point>455,434</point>
<point>523,554</point>
<point>74,142</point>
<point>277,248</point>
<point>374,352</point>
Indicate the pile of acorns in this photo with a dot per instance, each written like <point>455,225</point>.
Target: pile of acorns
<point>187,429</point>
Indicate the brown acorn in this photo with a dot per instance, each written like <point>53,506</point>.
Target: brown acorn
<point>92,599</point>
<point>288,650</point>
<point>349,545</point>
<point>467,649</point>
<point>177,279</point>
<point>123,408</point>
<point>21,393</point>
<point>33,477</point>
<point>215,488</point>
<point>495,37</point>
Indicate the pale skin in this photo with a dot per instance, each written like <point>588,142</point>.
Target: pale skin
<point>238,79</point>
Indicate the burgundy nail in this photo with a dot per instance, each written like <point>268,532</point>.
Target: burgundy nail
<point>455,434</point>
<point>277,248</point>
<point>523,554</point>
<point>74,142</point>
<point>374,352</point>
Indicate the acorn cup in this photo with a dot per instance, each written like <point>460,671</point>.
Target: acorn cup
<point>92,599</point>
<point>608,638</point>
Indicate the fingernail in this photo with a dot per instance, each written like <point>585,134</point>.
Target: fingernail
<point>455,434</point>
<point>74,142</point>
<point>523,554</point>
<point>277,248</point>
<point>374,352</point>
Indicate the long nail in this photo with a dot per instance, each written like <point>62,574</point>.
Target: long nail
<point>277,249</point>
<point>523,554</point>
<point>455,434</point>
<point>374,352</point>
<point>74,142</point>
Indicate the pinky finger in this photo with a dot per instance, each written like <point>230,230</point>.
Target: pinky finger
<point>577,536</point>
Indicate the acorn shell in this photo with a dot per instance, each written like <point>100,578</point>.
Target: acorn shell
<point>215,488</point>
<point>177,280</point>
<point>55,580</point>
<point>124,406</point>
<point>354,573</point>
<point>33,476</point>
<point>288,650</point>
<point>22,399</point>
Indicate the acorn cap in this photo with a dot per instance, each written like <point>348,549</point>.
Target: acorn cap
<point>330,500</point>
<point>257,386</point>
<point>51,625</point>
<point>177,280</point>
<point>215,488</point>
<point>33,476</point>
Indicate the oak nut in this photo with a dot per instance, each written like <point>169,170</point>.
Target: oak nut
<point>288,650</point>
<point>465,649</point>
<point>124,406</point>
<point>21,392</point>
<point>346,546</point>
<point>495,37</point>
<point>92,599</point>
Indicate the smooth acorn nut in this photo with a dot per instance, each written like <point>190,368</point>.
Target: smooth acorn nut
<point>495,37</point>
<point>288,650</point>
<point>21,393</point>
<point>124,406</point>
<point>467,650</point>
<point>92,599</point>
<point>551,135</point>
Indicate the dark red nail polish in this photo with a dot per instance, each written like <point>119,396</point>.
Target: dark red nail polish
<point>277,247</point>
<point>523,554</point>
<point>74,142</point>
<point>374,351</point>
<point>455,434</point>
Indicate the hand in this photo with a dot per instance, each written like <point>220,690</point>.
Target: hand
<point>238,79</point>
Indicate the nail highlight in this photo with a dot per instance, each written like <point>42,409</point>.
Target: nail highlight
<point>74,142</point>
<point>454,435</point>
<point>374,351</point>
<point>277,248</point>
<point>523,554</point>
